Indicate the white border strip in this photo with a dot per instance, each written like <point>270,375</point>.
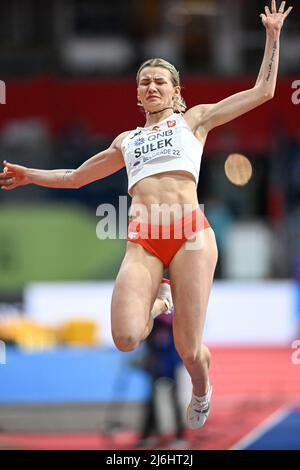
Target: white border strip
<point>262,428</point>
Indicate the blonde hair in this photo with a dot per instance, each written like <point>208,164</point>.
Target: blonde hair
<point>179,105</point>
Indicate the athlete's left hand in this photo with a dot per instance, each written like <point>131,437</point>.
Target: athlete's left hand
<point>273,20</point>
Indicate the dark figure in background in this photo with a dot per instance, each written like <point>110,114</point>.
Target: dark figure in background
<point>161,361</point>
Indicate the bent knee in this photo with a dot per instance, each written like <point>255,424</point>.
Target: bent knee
<point>193,355</point>
<point>190,357</point>
<point>126,343</point>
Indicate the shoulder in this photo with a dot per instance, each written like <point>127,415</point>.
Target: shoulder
<point>196,115</point>
<point>195,118</point>
<point>117,143</point>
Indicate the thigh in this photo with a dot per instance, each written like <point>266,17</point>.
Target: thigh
<point>135,290</point>
<point>191,274</point>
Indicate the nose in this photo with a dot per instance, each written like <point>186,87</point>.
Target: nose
<point>152,86</point>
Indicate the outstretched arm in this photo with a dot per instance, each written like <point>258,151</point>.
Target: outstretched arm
<point>206,117</point>
<point>97,167</point>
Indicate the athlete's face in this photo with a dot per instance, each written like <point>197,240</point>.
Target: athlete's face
<point>155,88</point>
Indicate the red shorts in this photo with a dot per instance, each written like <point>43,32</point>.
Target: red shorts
<point>163,241</point>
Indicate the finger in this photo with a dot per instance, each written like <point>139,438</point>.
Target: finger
<point>263,18</point>
<point>288,11</point>
<point>281,8</point>
<point>9,165</point>
<point>4,177</point>
<point>274,9</point>
<point>267,11</point>
<point>7,180</point>
<point>8,187</point>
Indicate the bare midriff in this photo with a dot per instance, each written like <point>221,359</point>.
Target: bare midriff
<point>154,197</point>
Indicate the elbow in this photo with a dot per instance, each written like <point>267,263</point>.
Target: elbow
<point>78,185</point>
<point>75,181</point>
<point>264,97</point>
<point>269,95</point>
<point>264,94</point>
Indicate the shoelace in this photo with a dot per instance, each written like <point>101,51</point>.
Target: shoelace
<point>203,404</point>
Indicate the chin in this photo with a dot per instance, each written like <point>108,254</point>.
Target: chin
<point>154,107</point>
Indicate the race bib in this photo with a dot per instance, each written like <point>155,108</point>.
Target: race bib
<point>145,148</point>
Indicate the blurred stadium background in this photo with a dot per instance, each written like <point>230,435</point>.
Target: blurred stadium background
<point>69,72</point>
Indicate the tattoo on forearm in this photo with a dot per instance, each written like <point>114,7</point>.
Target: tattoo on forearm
<point>67,172</point>
<point>271,61</point>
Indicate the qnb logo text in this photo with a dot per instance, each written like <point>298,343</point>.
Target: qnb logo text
<point>2,92</point>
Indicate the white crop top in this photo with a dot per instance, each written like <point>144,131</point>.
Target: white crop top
<point>169,145</point>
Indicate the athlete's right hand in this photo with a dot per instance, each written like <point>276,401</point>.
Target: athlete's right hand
<point>13,176</point>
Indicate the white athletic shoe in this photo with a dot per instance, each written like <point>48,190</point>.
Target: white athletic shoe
<point>198,410</point>
<point>164,293</point>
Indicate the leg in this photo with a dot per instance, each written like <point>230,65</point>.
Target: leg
<point>191,275</point>
<point>158,308</point>
<point>134,294</point>
<point>163,302</point>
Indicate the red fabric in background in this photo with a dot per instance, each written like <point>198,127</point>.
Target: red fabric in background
<point>108,106</point>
